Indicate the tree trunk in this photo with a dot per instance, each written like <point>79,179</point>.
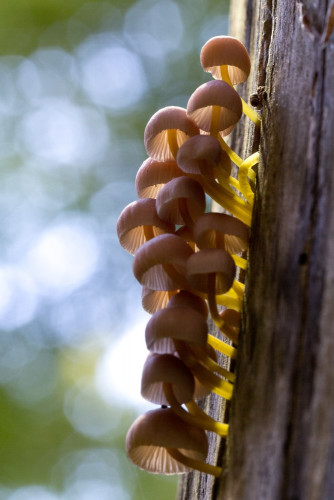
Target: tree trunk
<point>281,440</point>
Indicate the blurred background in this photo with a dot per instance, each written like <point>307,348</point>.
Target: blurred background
<point>78,82</point>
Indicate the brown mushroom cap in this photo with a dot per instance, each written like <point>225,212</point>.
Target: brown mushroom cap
<point>175,323</point>
<point>211,261</point>
<point>226,51</point>
<point>152,175</point>
<point>202,155</point>
<point>169,196</point>
<point>215,93</point>
<point>166,251</point>
<point>156,430</point>
<point>156,137</point>
<point>216,230</point>
<point>187,299</point>
<point>153,300</point>
<point>133,220</point>
<point>166,368</point>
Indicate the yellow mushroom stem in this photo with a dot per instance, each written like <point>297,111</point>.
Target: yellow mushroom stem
<point>214,131</point>
<point>222,347</point>
<point>243,176</point>
<point>228,199</point>
<point>219,322</point>
<point>236,158</point>
<point>172,141</point>
<point>229,300</point>
<point>211,364</point>
<point>240,262</point>
<point>246,109</point>
<point>203,421</point>
<point>148,232</point>
<point>206,377</point>
<point>238,288</point>
<point>194,464</point>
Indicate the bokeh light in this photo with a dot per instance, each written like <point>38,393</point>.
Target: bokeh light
<point>78,81</point>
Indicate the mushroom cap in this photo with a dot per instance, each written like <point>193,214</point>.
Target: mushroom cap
<point>231,317</point>
<point>226,51</point>
<point>156,137</point>
<point>133,220</point>
<point>160,263</point>
<point>175,323</point>
<point>153,300</point>
<point>153,174</point>
<point>166,368</point>
<point>188,299</point>
<point>209,261</point>
<point>217,230</point>
<point>169,196</point>
<point>215,93</point>
<point>201,155</point>
<point>156,430</point>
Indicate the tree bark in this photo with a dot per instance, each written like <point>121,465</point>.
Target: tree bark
<point>281,439</point>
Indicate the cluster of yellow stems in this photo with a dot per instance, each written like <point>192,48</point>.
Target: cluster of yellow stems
<point>187,261</point>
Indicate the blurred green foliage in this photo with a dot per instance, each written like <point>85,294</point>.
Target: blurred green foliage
<point>57,433</point>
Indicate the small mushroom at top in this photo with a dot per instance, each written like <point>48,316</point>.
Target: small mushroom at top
<point>228,52</point>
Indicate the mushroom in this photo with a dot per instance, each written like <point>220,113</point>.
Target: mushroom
<point>167,380</point>
<point>226,58</point>
<point>180,323</point>
<point>212,271</point>
<point>181,201</point>
<point>202,155</point>
<point>160,263</point>
<point>230,53</point>
<point>177,329</point>
<point>138,223</point>
<point>215,107</point>
<point>161,442</point>
<point>167,129</point>
<point>217,230</point>
<point>187,299</point>
<point>166,368</point>
<point>153,174</point>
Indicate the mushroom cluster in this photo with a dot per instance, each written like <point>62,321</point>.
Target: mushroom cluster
<point>187,261</point>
